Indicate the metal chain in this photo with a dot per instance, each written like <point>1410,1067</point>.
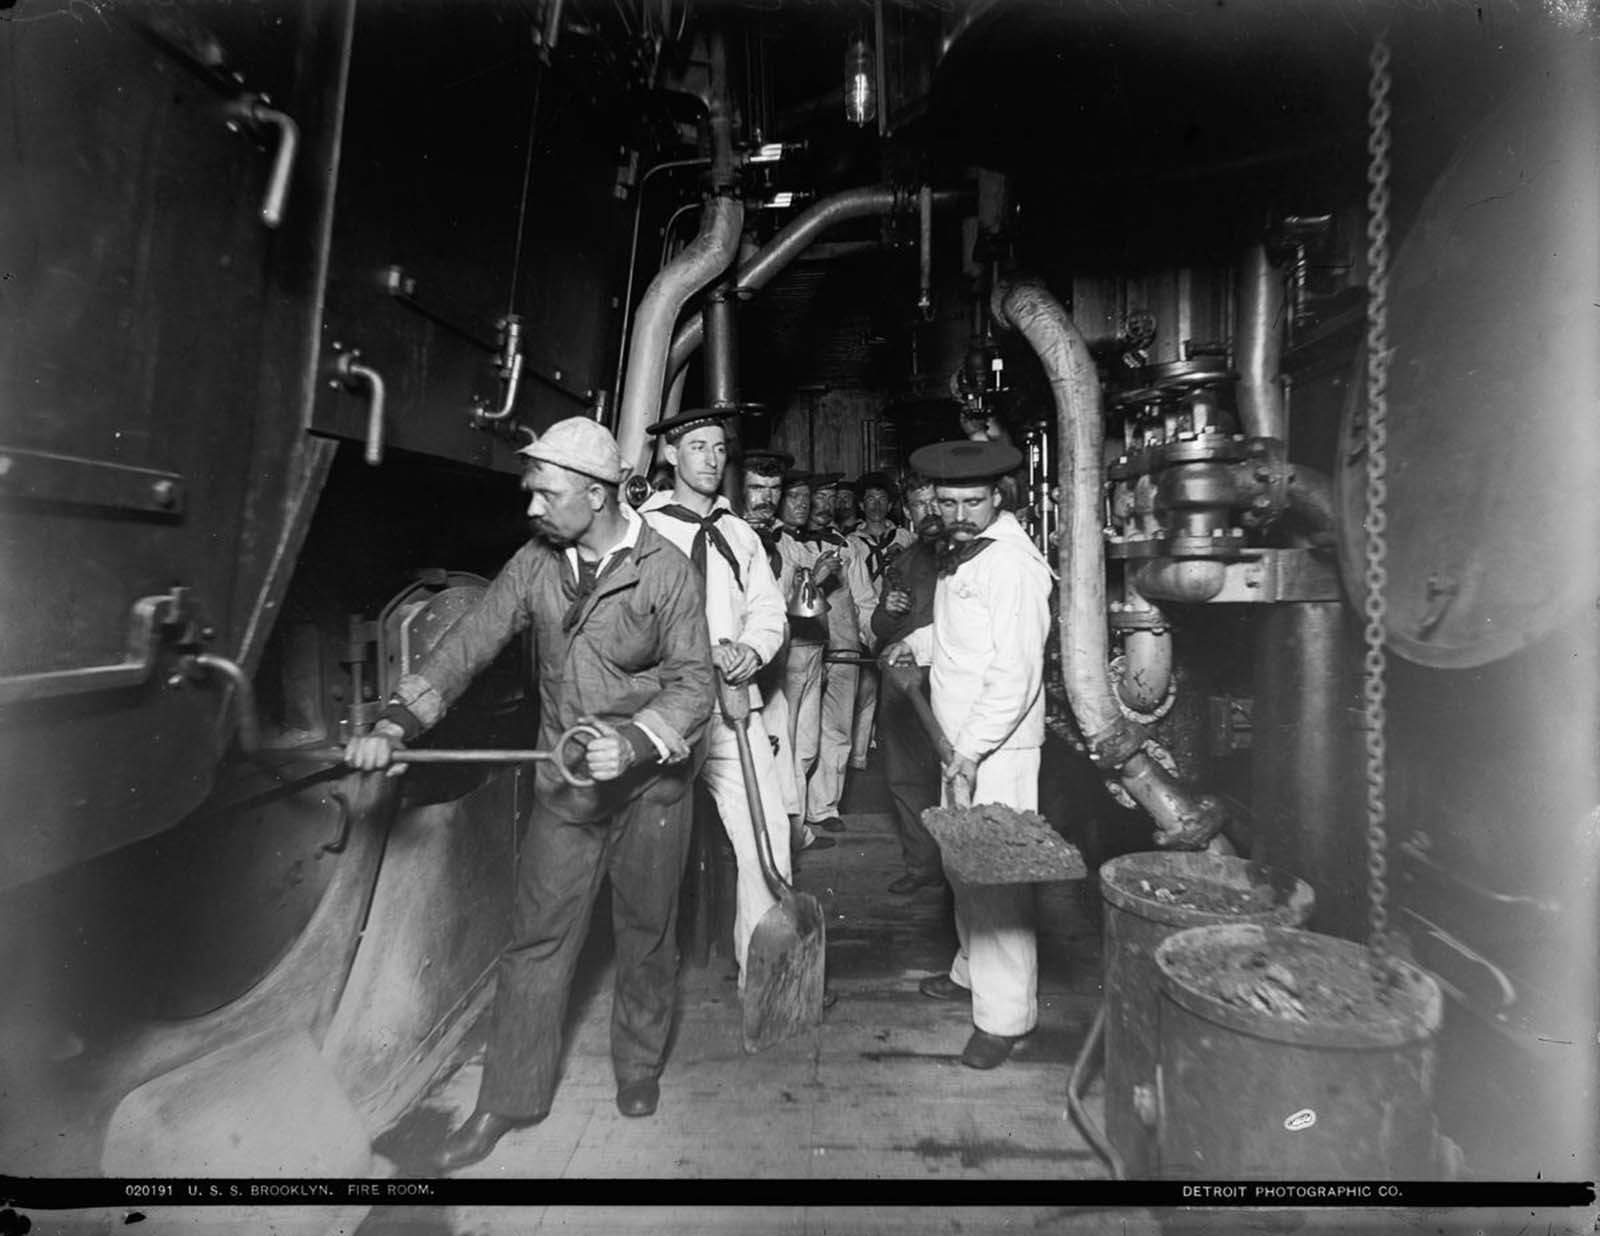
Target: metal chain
<point>1374,688</point>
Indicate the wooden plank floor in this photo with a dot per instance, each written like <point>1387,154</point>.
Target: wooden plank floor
<point>876,1093</point>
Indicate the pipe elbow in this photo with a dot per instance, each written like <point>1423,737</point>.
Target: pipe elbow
<point>1187,580</point>
<point>707,256</point>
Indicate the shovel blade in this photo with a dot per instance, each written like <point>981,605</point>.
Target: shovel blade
<point>783,972</point>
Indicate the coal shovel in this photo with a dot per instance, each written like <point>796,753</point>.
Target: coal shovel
<point>988,843</point>
<point>783,969</point>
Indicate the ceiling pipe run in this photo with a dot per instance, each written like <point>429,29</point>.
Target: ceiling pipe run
<point>1183,820</point>
<point>862,203</point>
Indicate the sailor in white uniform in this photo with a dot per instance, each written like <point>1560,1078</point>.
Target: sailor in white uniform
<point>748,628</point>
<point>991,617</point>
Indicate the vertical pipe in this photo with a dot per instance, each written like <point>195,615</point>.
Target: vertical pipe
<point>722,347</point>
<point>879,58</point>
<point>1258,348</point>
<point>1306,783</point>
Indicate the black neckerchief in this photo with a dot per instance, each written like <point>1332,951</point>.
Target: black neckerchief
<point>952,555</point>
<point>771,537</point>
<point>705,530</point>
<point>578,588</point>
<point>878,551</point>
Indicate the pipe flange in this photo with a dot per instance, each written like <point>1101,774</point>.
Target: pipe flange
<point>1118,743</point>
<point>1135,546</point>
<point>1124,617</point>
<point>1227,544</point>
<point>1209,447</point>
<point>1181,377</point>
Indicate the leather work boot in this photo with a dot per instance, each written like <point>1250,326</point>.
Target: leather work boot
<point>475,1140</point>
<point>639,1098</point>
<point>943,987</point>
<point>988,1051</point>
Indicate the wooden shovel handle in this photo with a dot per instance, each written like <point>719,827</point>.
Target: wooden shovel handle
<point>909,680</point>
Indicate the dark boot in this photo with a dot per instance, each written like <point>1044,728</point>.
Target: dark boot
<point>988,1051</point>
<point>639,1098</point>
<point>475,1140</point>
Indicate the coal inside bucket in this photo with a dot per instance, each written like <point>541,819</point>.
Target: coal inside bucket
<point>1148,896</point>
<point>1287,1053</point>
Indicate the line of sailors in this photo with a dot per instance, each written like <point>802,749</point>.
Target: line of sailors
<point>634,613</point>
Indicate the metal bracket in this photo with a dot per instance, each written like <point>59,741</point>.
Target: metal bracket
<point>155,623</point>
<point>46,477</point>
<point>1270,576</point>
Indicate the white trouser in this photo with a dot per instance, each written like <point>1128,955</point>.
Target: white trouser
<point>998,959</point>
<point>725,780</point>
<point>775,716</point>
<point>866,714</point>
<point>802,688</point>
<point>826,786</point>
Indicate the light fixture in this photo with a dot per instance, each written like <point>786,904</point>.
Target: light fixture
<point>860,82</point>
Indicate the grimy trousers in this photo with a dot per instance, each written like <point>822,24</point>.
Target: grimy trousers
<point>643,848</point>
<point>911,767</point>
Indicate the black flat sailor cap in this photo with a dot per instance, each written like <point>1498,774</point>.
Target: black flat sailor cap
<point>825,480</point>
<point>765,458</point>
<point>966,462</point>
<point>693,417</point>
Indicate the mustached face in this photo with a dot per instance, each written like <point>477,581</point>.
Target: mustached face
<point>561,504</point>
<point>919,505</point>
<point>761,497</point>
<point>967,509</point>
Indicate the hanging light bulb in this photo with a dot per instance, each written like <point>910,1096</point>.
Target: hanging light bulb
<point>860,82</point>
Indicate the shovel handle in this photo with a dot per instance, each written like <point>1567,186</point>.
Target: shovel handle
<point>910,684</point>
<point>729,697</point>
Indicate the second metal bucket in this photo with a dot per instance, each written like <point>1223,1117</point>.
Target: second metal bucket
<point>1290,1054</point>
<point>1147,898</point>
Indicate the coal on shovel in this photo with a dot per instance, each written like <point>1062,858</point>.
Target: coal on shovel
<point>988,843</point>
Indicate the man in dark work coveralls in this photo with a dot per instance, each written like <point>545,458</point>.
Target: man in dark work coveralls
<point>618,620</point>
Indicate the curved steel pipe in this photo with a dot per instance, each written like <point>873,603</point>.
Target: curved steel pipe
<point>1114,742</point>
<point>777,253</point>
<point>705,258</point>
